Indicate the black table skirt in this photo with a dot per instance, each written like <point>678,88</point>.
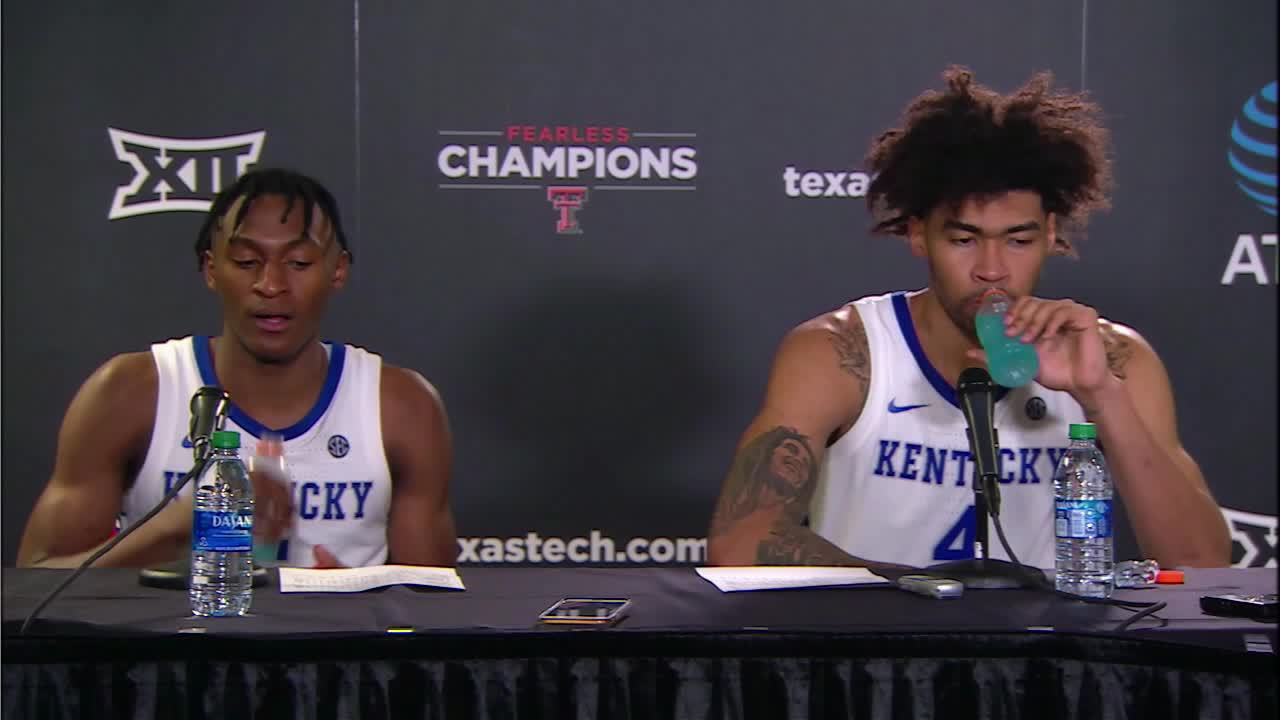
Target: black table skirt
<point>285,662</point>
<point>634,687</point>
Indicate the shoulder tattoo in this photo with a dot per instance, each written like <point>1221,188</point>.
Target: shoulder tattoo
<point>1119,350</point>
<point>850,343</point>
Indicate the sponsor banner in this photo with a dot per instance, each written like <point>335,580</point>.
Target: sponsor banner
<point>1253,538</point>
<point>797,183</point>
<point>593,549</point>
<point>567,164</point>
<point>1251,154</point>
<point>178,174</point>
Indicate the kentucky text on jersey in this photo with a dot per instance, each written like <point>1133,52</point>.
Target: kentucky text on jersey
<point>339,479</point>
<point>951,466</point>
<point>315,501</point>
<point>898,486</point>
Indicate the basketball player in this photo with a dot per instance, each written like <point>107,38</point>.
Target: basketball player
<point>858,455</point>
<point>367,444</point>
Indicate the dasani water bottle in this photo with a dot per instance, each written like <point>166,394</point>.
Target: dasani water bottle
<point>221,581</point>
<point>1082,517</point>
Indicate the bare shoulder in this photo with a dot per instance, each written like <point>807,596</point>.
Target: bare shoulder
<point>849,339</point>
<point>1125,347</point>
<point>126,386</point>
<point>408,398</point>
<point>822,373</point>
<point>126,372</point>
<point>836,336</point>
<point>109,420</point>
<point>415,430</point>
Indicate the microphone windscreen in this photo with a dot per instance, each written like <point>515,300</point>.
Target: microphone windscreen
<point>974,376</point>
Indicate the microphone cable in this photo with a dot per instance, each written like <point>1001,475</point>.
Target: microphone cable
<point>1038,582</point>
<point>201,449</point>
<point>196,469</point>
<point>989,484</point>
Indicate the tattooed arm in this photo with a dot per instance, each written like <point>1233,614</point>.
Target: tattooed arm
<point>816,389</point>
<point>764,500</point>
<point>1173,514</point>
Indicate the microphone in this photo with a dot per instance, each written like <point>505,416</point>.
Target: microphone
<point>977,402</point>
<point>209,407</point>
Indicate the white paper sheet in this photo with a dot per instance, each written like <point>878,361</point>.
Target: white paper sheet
<point>735,579</point>
<point>366,578</point>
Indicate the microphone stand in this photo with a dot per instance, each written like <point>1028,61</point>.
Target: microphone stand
<point>982,572</point>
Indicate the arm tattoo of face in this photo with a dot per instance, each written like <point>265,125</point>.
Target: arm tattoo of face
<point>1119,350</point>
<point>850,342</point>
<point>777,468</point>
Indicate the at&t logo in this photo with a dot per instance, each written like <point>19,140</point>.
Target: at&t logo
<point>1252,157</point>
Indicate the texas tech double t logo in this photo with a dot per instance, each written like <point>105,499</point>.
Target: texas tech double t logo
<point>568,200</point>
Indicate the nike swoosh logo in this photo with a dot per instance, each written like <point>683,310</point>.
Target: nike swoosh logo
<point>893,408</point>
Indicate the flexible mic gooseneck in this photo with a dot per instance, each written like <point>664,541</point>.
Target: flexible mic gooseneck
<point>209,408</point>
<point>977,402</point>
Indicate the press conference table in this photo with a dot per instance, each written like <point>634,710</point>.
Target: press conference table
<point>110,647</point>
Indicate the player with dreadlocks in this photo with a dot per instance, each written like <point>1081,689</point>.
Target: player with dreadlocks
<point>367,444</point>
<point>858,455</point>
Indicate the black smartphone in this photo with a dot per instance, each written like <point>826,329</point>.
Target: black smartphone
<point>586,611</point>
<point>1258,607</point>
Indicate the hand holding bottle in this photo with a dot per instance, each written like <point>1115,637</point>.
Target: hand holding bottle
<point>1012,362</point>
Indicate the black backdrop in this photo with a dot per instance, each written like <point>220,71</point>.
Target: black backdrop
<point>597,380</point>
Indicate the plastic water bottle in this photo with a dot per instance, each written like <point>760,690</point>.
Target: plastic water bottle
<point>1082,517</point>
<point>1136,573</point>
<point>221,581</point>
<point>268,461</point>
<point>1012,362</point>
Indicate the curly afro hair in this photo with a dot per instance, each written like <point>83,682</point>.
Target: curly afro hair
<point>970,141</point>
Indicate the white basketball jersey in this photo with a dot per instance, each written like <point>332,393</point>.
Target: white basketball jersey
<point>341,484</point>
<point>897,487</point>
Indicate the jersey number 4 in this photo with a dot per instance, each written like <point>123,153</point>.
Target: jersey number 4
<point>957,543</point>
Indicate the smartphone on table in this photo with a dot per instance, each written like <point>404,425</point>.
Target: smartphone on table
<point>586,611</point>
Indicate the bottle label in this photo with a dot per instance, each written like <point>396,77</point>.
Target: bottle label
<point>222,531</point>
<point>1082,519</point>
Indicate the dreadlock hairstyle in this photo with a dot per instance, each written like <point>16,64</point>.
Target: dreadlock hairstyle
<point>292,185</point>
<point>969,141</point>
